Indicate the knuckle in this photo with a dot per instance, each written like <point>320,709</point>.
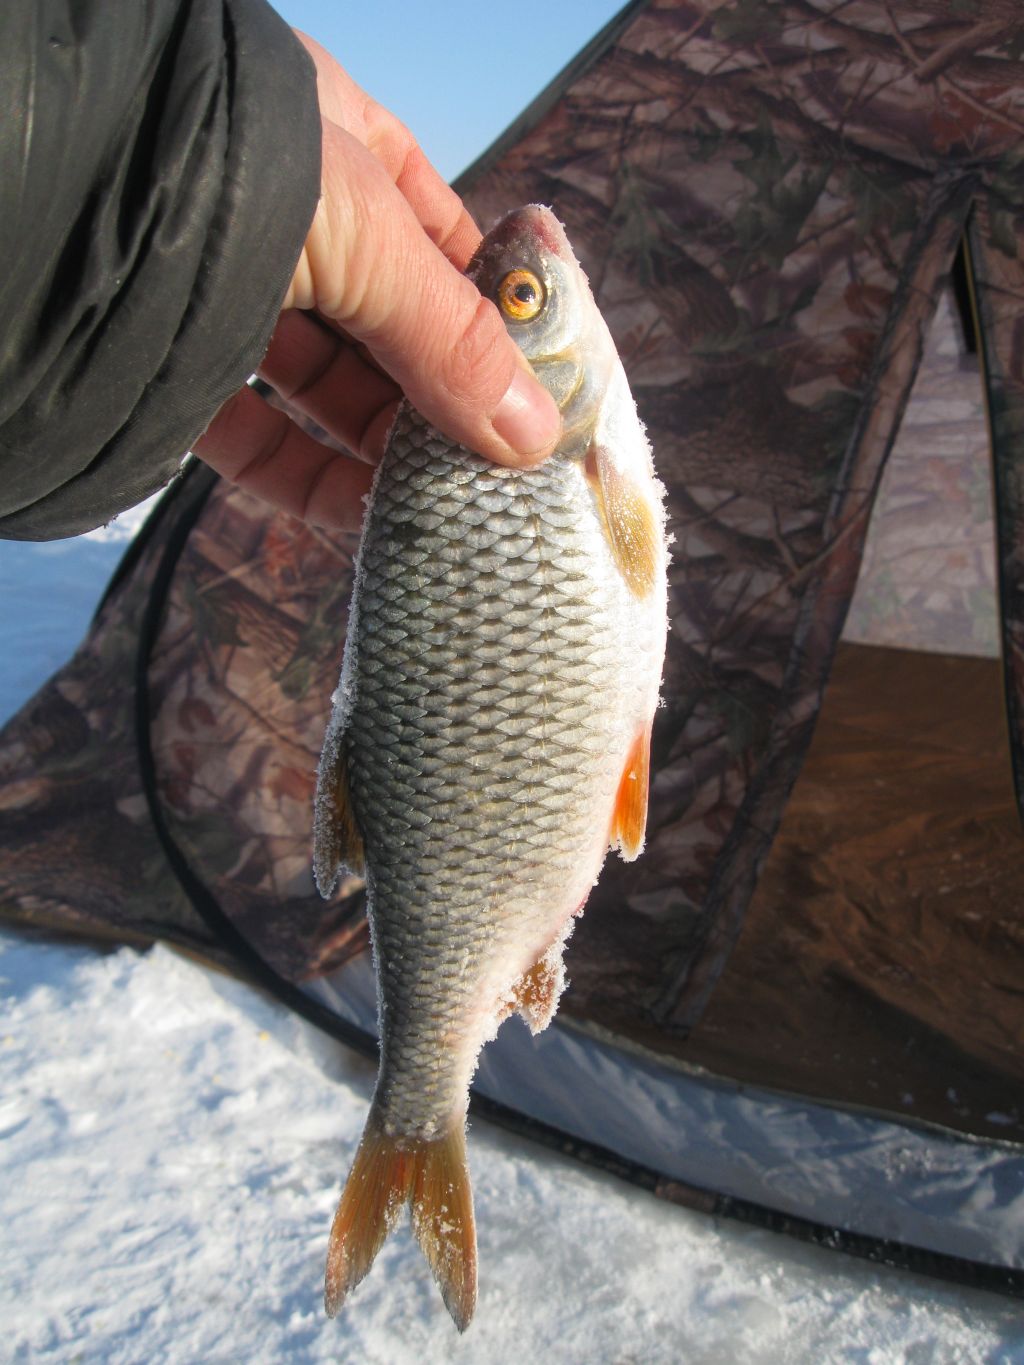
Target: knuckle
<point>479,366</point>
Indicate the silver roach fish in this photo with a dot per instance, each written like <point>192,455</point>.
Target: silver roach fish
<point>490,738</point>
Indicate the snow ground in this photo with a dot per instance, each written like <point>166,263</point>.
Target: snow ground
<point>172,1145</point>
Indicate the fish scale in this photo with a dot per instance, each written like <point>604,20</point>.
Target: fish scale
<point>422,667</point>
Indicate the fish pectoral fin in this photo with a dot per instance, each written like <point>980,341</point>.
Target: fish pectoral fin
<point>536,994</point>
<point>630,523</point>
<point>337,842</point>
<point>629,816</point>
<point>387,1174</point>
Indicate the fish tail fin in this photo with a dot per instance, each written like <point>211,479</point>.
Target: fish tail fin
<point>442,1219</point>
<point>377,1190</point>
<point>387,1174</point>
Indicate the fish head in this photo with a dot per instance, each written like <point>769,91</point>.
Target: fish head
<point>527,268</point>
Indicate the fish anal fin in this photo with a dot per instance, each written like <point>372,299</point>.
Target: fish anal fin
<point>629,817</point>
<point>630,522</point>
<point>387,1173</point>
<point>537,992</point>
<point>337,842</point>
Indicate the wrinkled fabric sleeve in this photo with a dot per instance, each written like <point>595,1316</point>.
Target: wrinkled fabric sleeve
<point>160,167</point>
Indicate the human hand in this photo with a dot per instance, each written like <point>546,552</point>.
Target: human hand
<point>377,307</point>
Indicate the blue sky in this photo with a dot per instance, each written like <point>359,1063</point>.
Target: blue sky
<point>457,73</point>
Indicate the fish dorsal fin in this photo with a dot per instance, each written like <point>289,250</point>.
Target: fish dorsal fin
<point>337,842</point>
<point>629,521</point>
<point>629,818</point>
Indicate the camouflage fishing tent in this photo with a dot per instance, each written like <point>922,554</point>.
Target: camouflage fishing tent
<point>804,221</point>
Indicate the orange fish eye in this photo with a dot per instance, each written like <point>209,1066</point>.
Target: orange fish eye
<point>521,295</point>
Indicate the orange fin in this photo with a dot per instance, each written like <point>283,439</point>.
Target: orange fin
<point>630,523</point>
<point>629,818</point>
<point>442,1219</point>
<point>537,992</point>
<point>387,1174</point>
<point>337,842</point>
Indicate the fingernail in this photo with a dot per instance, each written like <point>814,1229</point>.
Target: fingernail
<point>527,418</point>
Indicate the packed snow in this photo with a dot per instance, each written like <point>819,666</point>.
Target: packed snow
<point>173,1143</point>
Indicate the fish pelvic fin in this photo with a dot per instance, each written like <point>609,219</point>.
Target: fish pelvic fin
<point>388,1173</point>
<point>337,841</point>
<point>629,817</point>
<point>631,525</point>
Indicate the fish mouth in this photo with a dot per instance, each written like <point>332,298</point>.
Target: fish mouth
<point>534,226</point>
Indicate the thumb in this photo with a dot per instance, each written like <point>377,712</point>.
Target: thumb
<point>369,265</point>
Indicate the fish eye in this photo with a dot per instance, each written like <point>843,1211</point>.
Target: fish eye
<point>521,295</point>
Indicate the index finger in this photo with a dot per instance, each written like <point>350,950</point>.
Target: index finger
<point>440,211</point>
<point>370,267</point>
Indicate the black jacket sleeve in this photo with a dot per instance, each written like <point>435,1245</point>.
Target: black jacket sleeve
<point>159,169</point>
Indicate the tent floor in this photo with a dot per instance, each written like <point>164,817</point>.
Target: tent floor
<point>880,963</point>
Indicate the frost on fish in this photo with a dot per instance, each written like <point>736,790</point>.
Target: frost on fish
<point>490,738</point>
<point>535,995</point>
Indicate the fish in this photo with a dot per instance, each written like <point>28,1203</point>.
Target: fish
<point>489,740</point>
